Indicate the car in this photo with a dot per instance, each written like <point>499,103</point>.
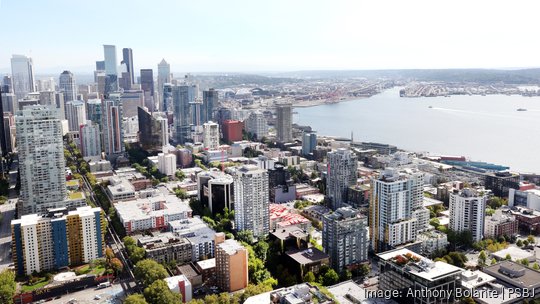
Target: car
<point>97,297</point>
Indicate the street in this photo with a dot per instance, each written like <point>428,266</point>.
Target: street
<point>113,294</point>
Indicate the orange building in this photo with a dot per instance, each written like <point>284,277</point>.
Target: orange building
<point>231,265</point>
<point>232,130</point>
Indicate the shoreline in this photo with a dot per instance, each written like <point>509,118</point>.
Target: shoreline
<point>320,102</point>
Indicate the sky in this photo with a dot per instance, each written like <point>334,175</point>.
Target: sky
<point>277,35</point>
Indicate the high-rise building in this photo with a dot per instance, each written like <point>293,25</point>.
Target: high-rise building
<point>75,114</point>
<point>284,122</point>
<point>395,196</point>
<point>210,100</point>
<point>211,135</point>
<point>309,143</point>
<point>41,159</point>
<point>60,104</point>
<point>251,200</point>
<point>57,239</point>
<point>67,85</point>
<point>256,124</point>
<point>90,138</point>
<point>147,85</point>
<point>182,96</point>
<point>127,59</point>
<point>100,65</point>
<point>8,144</point>
<point>7,84</point>
<point>467,212</point>
<point>166,98</point>
<point>167,163</point>
<point>94,110</point>
<point>111,62</point>
<point>341,174</point>
<point>113,131</point>
<point>215,190</point>
<point>22,73</point>
<point>501,182</point>
<point>231,265</point>
<point>164,76</point>
<point>345,237</point>
<point>153,130</point>
<point>232,130</point>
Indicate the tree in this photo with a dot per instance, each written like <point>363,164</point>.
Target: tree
<point>345,275</point>
<point>137,254</point>
<point>245,236</point>
<point>363,271</point>
<point>135,299</point>
<point>309,277</point>
<point>493,261</point>
<point>7,286</point>
<point>148,271</point>
<point>524,262</point>
<point>525,243</point>
<point>159,293</point>
<point>261,249</point>
<point>531,239</point>
<point>482,258</point>
<point>180,175</point>
<point>116,265</point>
<point>330,278</point>
<point>129,241</point>
<point>508,257</point>
<point>434,222</point>
<point>109,253</point>
<point>519,243</point>
<point>536,266</point>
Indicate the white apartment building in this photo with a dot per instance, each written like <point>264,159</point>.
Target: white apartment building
<point>396,208</point>
<point>256,124</point>
<point>211,135</point>
<point>251,200</point>
<point>41,159</point>
<point>167,163</point>
<point>341,174</point>
<point>467,212</point>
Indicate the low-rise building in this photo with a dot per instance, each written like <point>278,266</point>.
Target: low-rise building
<point>231,266</point>
<point>404,271</point>
<point>154,212</point>
<point>529,198</point>
<point>522,279</point>
<point>282,216</point>
<point>516,254</point>
<point>166,247</point>
<point>303,293</point>
<point>180,284</point>
<point>198,234</point>
<point>306,260</point>
<point>500,224</point>
<point>432,241</point>
<point>120,189</point>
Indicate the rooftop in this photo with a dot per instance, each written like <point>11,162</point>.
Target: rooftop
<point>207,264</point>
<point>144,208</point>
<point>474,279</point>
<point>424,268</point>
<point>349,292</point>
<point>286,232</point>
<point>307,256</point>
<point>231,247</point>
<point>515,274</point>
<point>514,252</point>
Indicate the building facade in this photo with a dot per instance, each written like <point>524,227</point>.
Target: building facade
<point>256,124</point>
<point>284,122</point>
<point>345,238</point>
<point>22,73</point>
<point>90,139</point>
<point>75,114</point>
<point>211,135</point>
<point>232,130</point>
<point>467,212</point>
<point>231,266</point>
<point>67,86</point>
<point>58,239</point>
<point>113,131</point>
<point>251,200</point>
<point>41,159</point>
<point>341,174</point>
<point>210,100</point>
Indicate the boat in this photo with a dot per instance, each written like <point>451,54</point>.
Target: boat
<point>521,110</point>
<point>431,107</point>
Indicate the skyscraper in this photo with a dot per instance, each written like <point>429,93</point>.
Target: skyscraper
<point>211,135</point>
<point>111,62</point>
<point>251,200</point>
<point>256,124</point>
<point>113,132</point>
<point>164,76</point>
<point>467,212</point>
<point>345,237</point>
<point>182,96</point>
<point>41,159</point>
<point>90,138</point>
<point>284,122</point>
<point>147,85</point>
<point>127,59</point>
<point>342,166</point>
<point>210,100</point>
<point>22,72</point>
<point>75,114</point>
<point>67,85</point>
<point>395,196</point>
<point>153,130</point>
<point>309,142</point>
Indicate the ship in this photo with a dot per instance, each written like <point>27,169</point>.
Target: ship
<point>521,110</point>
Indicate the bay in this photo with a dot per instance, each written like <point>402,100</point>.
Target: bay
<point>486,128</point>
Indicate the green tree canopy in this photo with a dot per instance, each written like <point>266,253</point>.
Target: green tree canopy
<point>7,286</point>
<point>148,271</point>
<point>159,293</point>
<point>135,299</point>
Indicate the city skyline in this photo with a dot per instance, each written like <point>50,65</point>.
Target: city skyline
<point>237,37</point>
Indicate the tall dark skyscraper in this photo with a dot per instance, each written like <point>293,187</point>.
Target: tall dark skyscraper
<point>147,85</point>
<point>100,65</point>
<point>210,100</point>
<point>182,96</point>
<point>127,59</point>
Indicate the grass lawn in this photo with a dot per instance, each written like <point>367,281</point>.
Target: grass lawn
<point>97,270</point>
<point>40,283</point>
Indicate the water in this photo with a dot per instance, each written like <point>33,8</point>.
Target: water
<point>485,128</point>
